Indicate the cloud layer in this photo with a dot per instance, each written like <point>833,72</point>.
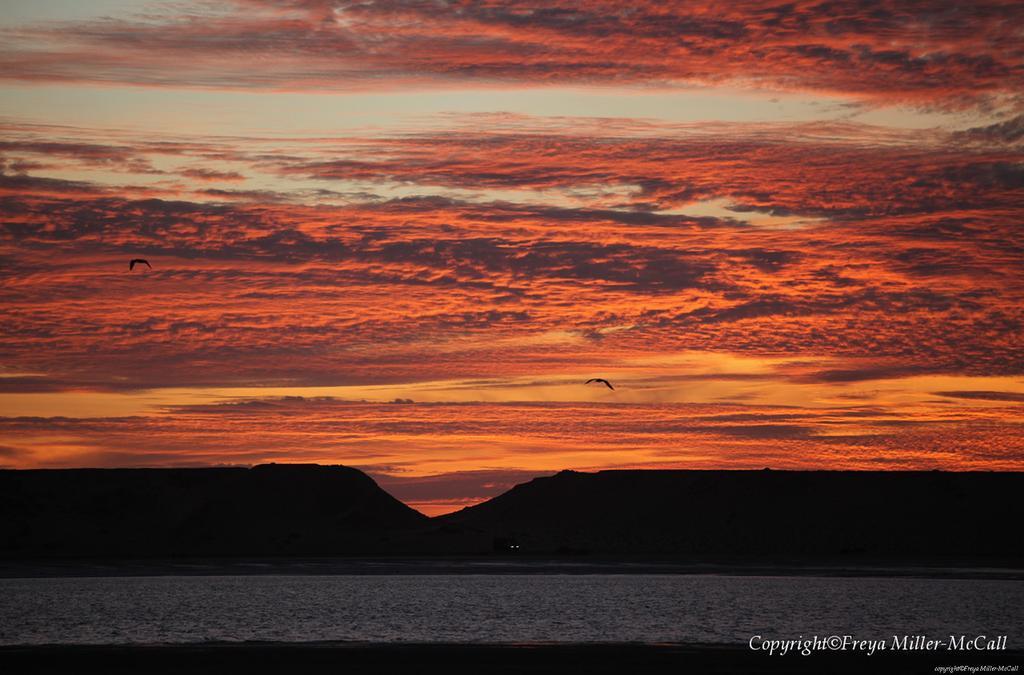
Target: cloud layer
<point>924,51</point>
<point>423,295</point>
<point>830,244</point>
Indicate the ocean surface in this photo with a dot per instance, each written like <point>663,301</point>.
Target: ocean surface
<point>507,608</point>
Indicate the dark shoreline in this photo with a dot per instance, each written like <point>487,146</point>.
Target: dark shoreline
<point>477,565</point>
<point>334,657</point>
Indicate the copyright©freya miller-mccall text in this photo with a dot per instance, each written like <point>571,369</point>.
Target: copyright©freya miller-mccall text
<point>903,643</point>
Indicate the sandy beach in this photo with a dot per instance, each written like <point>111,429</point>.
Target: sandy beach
<point>455,658</point>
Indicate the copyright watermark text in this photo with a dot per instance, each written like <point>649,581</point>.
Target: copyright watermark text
<point>895,643</point>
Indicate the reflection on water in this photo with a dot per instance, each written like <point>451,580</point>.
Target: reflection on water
<point>498,608</point>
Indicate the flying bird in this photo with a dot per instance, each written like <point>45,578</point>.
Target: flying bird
<point>131,264</point>
<point>603,381</point>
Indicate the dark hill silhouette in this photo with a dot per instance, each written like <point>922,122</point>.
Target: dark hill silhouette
<point>304,510</point>
<point>266,510</point>
<point>759,515</point>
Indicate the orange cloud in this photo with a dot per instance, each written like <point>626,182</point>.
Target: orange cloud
<point>853,300</point>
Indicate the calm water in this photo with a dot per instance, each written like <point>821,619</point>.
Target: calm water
<point>499,608</point>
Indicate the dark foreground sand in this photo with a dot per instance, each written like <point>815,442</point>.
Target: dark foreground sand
<point>479,659</point>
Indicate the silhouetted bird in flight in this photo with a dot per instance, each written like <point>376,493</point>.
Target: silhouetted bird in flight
<point>598,379</point>
<point>131,264</point>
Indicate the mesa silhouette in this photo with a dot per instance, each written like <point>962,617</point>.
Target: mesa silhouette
<point>296,510</point>
<point>280,509</point>
<point>759,515</point>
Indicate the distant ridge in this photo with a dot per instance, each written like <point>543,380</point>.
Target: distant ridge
<point>758,514</point>
<point>311,510</point>
<point>276,509</point>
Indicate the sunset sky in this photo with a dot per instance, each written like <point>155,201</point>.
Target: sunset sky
<point>400,235</point>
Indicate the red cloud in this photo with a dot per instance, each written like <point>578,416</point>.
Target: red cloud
<point>911,268</point>
<point>916,258</point>
<point>924,51</point>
